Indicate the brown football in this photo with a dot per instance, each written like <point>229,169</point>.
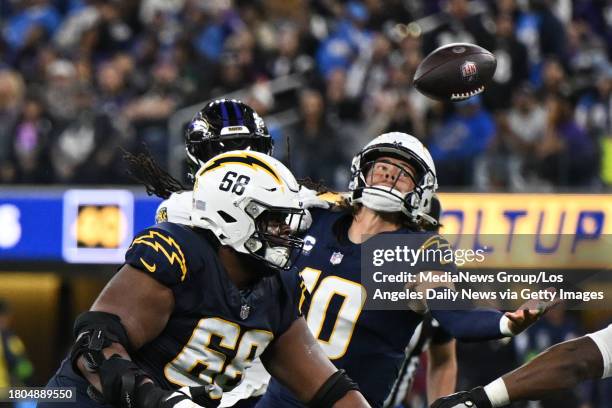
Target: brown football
<point>455,72</point>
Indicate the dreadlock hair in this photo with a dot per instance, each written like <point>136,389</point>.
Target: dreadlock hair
<point>318,186</point>
<point>143,168</point>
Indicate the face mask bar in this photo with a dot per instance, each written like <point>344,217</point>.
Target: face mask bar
<point>396,169</point>
<point>422,180</point>
<point>273,241</point>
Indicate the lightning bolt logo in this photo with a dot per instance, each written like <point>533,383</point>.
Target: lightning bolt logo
<point>244,159</point>
<point>152,239</point>
<point>439,244</point>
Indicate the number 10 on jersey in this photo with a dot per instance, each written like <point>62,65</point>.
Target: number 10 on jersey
<point>353,296</point>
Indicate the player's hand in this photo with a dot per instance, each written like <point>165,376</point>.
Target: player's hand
<point>529,313</point>
<point>476,398</point>
<point>152,396</point>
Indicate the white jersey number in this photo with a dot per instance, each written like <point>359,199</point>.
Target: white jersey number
<point>216,370</point>
<point>353,297</point>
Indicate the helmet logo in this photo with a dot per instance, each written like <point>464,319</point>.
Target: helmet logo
<point>199,125</point>
<point>244,159</point>
<point>230,130</point>
<point>259,123</point>
<point>469,71</point>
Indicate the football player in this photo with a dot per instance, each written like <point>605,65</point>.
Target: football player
<point>193,306</point>
<point>222,125</point>
<point>393,181</point>
<point>562,366</point>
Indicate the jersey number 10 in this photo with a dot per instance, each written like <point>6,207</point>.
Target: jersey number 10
<point>353,297</point>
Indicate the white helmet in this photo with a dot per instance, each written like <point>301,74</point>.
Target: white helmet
<point>413,204</point>
<point>249,200</point>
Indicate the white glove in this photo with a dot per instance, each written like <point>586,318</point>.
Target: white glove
<point>309,199</point>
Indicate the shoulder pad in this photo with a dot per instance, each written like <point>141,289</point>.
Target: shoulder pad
<point>161,253</point>
<point>434,242</point>
<point>177,209</point>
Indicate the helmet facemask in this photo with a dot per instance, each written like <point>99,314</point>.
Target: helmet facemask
<point>389,198</point>
<point>274,241</point>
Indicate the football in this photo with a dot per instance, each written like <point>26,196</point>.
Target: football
<point>455,72</point>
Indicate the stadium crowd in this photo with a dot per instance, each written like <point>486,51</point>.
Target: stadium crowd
<point>80,78</point>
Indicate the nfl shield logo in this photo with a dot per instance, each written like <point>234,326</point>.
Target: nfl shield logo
<point>336,258</point>
<point>469,71</point>
<point>244,311</point>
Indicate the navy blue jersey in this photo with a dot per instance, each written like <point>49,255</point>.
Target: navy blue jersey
<point>215,329</point>
<point>369,344</point>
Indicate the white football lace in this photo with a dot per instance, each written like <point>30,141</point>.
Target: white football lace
<point>465,95</point>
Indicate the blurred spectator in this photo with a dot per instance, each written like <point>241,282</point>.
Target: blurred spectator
<point>289,58</point>
<point>61,85</point>
<point>314,140</point>
<point>554,80</point>
<point>594,114</point>
<point>519,131</point>
<point>460,141</point>
<point>34,20</point>
<point>458,24</point>
<point>349,39</point>
<point>31,141</point>
<point>150,112</point>
<point>512,67</point>
<point>84,150</point>
<point>12,91</point>
<point>566,155</point>
<point>15,368</point>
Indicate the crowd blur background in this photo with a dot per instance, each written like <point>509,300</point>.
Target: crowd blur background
<point>81,79</point>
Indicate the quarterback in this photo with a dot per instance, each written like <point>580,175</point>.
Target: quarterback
<point>192,307</point>
<point>393,183</point>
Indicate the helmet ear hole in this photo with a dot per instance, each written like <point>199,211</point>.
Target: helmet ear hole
<point>226,217</point>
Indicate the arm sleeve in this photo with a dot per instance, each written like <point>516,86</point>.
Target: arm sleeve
<point>470,325</point>
<point>603,340</point>
<point>438,334</point>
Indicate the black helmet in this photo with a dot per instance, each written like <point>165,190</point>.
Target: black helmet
<point>224,125</point>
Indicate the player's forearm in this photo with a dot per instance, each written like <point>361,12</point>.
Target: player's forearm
<point>560,367</point>
<point>441,379</point>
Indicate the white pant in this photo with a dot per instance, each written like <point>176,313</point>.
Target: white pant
<point>254,383</point>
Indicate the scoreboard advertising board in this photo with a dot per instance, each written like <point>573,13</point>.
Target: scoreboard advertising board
<point>97,226</point>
